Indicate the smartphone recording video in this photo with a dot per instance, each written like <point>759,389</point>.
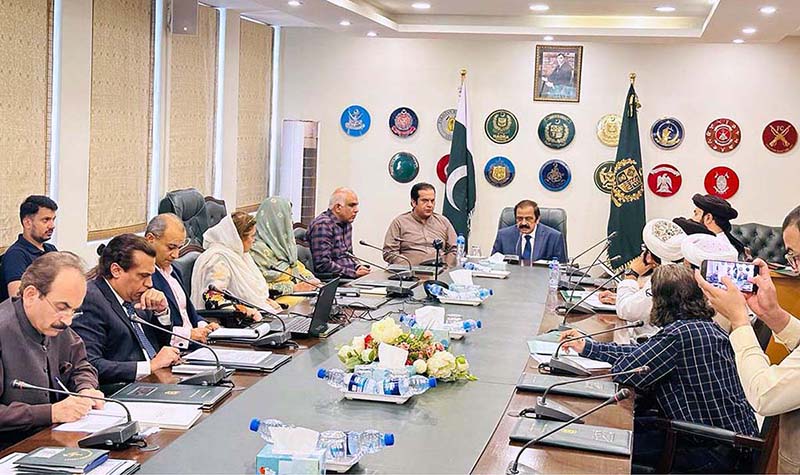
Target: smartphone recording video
<point>739,272</point>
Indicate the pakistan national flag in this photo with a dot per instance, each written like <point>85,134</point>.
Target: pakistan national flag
<point>460,195</point>
<point>627,196</point>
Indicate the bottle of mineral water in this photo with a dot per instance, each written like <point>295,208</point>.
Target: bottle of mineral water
<point>262,426</point>
<point>461,249</point>
<point>395,386</point>
<point>368,442</point>
<point>553,282</point>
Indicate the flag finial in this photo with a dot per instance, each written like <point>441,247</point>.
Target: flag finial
<point>633,78</point>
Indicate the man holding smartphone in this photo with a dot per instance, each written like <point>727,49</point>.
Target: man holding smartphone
<point>770,389</point>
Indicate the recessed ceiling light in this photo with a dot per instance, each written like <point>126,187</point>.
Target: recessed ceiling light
<point>539,7</point>
<point>372,34</point>
<point>548,38</point>
<point>749,30</point>
<point>344,23</point>
<point>768,10</point>
<point>421,5</point>
<point>294,3</point>
<point>738,41</point>
<point>665,9</point>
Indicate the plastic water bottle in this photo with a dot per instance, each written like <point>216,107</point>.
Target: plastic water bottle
<point>262,426</point>
<point>368,442</point>
<point>438,290</point>
<point>461,249</point>
<point>464,326</point>
<point>552,292</point>
<point>396,386</point>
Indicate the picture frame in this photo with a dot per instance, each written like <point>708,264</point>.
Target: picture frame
<point>557,73</point>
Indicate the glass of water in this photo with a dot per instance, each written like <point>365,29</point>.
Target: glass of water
<point>474,250</point>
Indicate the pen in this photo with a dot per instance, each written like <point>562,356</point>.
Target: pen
<point>61,384</point>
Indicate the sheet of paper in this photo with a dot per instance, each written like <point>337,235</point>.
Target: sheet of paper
<point>148,414</point>
<point>93,421</point>
<point>229,356</point>
<point>585,362</point>
<point>593,301</point>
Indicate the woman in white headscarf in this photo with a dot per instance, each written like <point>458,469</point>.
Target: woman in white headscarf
<point>226,262</point>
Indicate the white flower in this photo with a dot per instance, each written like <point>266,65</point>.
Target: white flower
<point>441,365</point>
<point>344,352</point>
<point>358,343</point>
<point>368,355</point>
<point>420,366</point>
<point>386,330</point>
<point>462,365</point>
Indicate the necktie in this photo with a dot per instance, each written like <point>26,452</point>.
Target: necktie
<point>139,332</point>
<point>527,251</point>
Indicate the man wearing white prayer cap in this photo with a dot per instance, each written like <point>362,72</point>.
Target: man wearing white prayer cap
<point>701,247</point>
<point>662,244</point>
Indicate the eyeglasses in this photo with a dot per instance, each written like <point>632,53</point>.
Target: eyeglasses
<point>792,259</point>
<point>66,312</point>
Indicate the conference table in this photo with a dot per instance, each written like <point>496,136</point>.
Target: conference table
<point>456,427</point>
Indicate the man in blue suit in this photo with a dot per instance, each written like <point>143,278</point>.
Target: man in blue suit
<point>529,239</point>
<point>167,234</point>
<point>123,350</point>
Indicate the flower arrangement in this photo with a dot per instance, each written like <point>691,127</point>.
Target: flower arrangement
<point>428,357</point>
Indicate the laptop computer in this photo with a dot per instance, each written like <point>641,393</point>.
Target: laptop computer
<point>317,325</point>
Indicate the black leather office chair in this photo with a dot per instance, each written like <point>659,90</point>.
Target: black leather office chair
<point>216,210</point>
<point>185,265</point>
<point>556,218</point>
<point>3,286</point>
<point>763,241</point>
<point>303,248</point>
<point>190,207</point>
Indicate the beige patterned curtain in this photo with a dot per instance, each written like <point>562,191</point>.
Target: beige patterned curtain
<point>255,84</point>
<point>121,116</point>
<point>192,94</point>
<point>25,35</point>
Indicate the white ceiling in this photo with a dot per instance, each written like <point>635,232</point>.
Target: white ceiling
<point>568,20</point>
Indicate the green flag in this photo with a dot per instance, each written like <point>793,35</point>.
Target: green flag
<point>460,189</point>
<point>627,196</point>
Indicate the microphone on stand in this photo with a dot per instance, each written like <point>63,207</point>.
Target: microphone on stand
<point>295,277</point>
<point>396,292</point>
<point>577,306</point>
<point>562,366</point>
<point>207,378</point>
<point>559,412</point>
<point>273,339</point>
<point>350,293</point>
<point>514,466</point>
<point>401,274</point>
<point>118,436</point>
<point>607,238</point>
<point>582,273</point>
<point>396,254</point>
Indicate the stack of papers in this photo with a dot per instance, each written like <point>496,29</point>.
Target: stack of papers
<point>592,302</point>
<point>251,333</point>
<point>109,467</point>
<point>237,359</point>
<point>542,350</point>
<point>148,414</point>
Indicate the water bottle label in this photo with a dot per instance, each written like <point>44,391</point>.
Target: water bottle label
<point>391,387</point>
<point>356,384</point>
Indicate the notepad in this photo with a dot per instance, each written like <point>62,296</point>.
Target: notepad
<point>147,414</point>
<point>585,362</point>
<point>244,333</point>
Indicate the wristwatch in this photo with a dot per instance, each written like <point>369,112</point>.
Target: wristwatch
<point>632,273</point>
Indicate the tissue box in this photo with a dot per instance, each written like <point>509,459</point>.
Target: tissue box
<point>268,463</point>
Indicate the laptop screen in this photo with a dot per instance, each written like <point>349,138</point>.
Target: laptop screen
<point>322,309</point>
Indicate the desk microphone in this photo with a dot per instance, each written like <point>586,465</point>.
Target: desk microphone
<point>396,274</point>
<point>207,378</point>
<point>118,436</point>
<point>577,306</point>
<point>514,466</point>
<point>396,254</point>
<point>273,339</point>
<point>559,412</point>
<point>395,292</point>
<point>583,272</point>
<point>295,277</point>
<point>566,367</point>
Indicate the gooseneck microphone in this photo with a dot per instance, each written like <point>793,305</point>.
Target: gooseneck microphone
<point>274,339</point>
<point>398,274</point>
<point>295,277</point>
<point>118,436</point>
<point>206,378</point>
<point>622,394</point>
<point>397,292</point>
<point>396,254</point>
<point>578,306</point>
<point>558,412</point>
<point>567,367</point>
<point>605,239</point>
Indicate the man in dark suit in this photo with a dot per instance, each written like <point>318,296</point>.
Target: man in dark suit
<point>529,239</point>
<point>120,349</point>
<point>167,235</point>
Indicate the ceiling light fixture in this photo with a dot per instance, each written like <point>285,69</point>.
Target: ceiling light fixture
<point>421,5</point>
<point>665,9</point>
<point>294,3</point>
<point>539,7</point>
<point>738,41</point>
<point>768,10</point>
<point>749,30</point>
<point>372,34</point>
<point>548,38</point>
<point>344,23</point>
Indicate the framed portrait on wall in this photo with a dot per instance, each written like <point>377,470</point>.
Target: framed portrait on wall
<point>557,74</point>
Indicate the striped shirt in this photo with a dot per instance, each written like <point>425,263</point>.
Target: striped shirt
<point>330,239</point>
<point>692,374</point>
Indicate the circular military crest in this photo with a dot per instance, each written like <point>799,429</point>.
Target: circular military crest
<point>501,126</point>
<point>604,176</point>
<point>667,133</point>
<point>403,122</point>
<point>355,121</point>
<point>664,180</point>
<point>556,130</point>
<point>723,135</point>
<point>608,129</point>
<point>441,168</point>
<point>722,182</point>
<point>446,123</point>
<point>403,167</point>
<point>779,136</point>
<point>499,171</point>
<point>555,175</point>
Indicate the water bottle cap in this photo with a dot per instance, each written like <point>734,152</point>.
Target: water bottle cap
<point>321,373</point>
<point>479,324</point>
<point>432,382</point>
<point>388,439</point>
<point>254,424</point>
